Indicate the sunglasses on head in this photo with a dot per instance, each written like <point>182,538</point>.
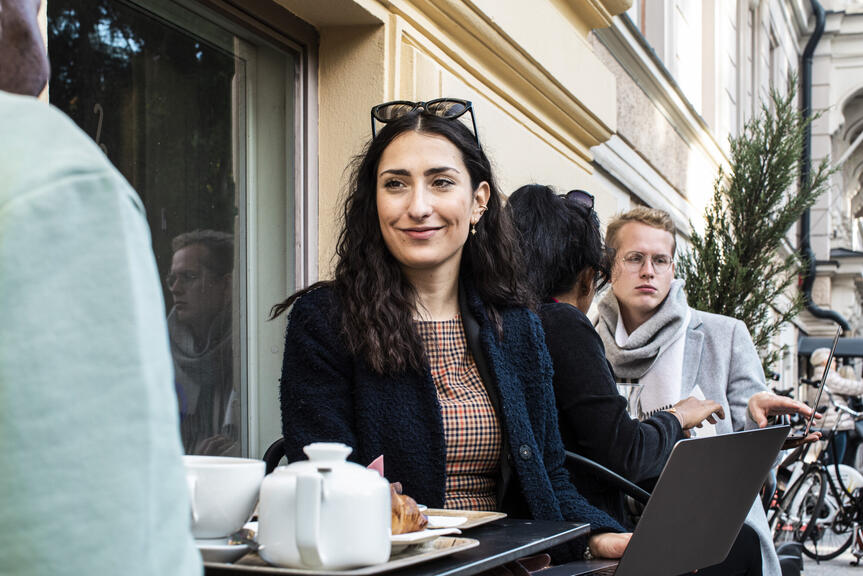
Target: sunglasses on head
<point>581,198</point>
<point>449,108</point>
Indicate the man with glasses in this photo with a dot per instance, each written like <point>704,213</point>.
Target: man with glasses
<point>662,350</point>
<point>199,326</point>
<point>92,477</point>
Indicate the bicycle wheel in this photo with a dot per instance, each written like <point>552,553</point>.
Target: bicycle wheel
<point>791,520</point>
<point>851,478</point>
<point>830,521</point>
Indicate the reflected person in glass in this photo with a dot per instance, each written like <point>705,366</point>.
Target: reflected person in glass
<point>423,348</point>
<point>199,325</point>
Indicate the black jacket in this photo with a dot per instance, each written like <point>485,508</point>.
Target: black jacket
<point>592,413</point>
<point>329,395</point>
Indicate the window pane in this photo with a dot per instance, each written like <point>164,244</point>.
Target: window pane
<point>163,91</point>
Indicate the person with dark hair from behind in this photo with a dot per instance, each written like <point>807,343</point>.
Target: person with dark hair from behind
<point>423,348</point>
<point>92,477</point>
<point>561,238</point>
<point>199,326</point>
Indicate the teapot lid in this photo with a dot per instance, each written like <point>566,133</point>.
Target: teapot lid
<point>327,451</point>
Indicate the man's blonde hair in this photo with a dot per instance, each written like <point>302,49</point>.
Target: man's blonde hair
<point>652,217</point>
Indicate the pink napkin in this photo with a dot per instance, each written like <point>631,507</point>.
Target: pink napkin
<point>377,465</point>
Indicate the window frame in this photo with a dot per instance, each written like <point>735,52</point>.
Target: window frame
<point>286,31</point>
<point>276,26</point>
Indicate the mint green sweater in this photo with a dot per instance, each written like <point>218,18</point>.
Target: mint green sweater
<point>91,475</point>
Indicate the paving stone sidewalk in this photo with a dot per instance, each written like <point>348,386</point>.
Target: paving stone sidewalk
<point>840,566</point>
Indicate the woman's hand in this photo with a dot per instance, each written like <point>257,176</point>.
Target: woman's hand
<point>692,412</point>
<point>608,544</point>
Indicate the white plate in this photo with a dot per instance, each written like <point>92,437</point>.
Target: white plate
<point>401,541</point>
<point>445,521</point>
<point>474,517</point>
<point>218,550</point>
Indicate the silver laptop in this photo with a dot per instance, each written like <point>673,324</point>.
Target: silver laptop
<point>820,388</point>
<point>696,510</point>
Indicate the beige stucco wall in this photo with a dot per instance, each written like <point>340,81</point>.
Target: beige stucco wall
<point>352,70</point>
<point>523,65</point>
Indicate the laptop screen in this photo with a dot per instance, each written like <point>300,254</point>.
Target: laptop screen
<point>823,380</point>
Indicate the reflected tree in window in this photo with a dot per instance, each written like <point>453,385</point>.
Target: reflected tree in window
<point>160,101</point>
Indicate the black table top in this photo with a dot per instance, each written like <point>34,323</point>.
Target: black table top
<point>500,542</point>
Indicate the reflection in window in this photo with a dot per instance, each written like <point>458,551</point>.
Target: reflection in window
<point>199,325</point>
<point>162,103</point>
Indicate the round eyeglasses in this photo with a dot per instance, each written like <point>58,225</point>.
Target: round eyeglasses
<point>183,278</point>
<point>449,108</point>
<point>635,260</point>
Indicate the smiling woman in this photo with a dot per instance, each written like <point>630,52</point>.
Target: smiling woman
<point>374,263</point>
<point>424,348</point>
<point>425,205</point>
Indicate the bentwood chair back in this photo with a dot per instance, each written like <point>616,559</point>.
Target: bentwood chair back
<point>274,454</point>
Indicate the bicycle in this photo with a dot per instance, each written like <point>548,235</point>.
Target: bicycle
<point>823,521</point>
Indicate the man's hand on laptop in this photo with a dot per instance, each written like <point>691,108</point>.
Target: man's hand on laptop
<point>692,412</point>
<point>766,404</point>
<point>608,544</point>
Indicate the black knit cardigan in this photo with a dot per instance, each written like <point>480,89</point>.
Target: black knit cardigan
<point>329,395</point>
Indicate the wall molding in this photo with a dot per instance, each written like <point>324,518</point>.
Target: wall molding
<point>592,13</point>
<point>472,40</point>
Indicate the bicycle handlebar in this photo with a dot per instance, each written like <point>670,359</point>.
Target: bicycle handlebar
<point>853,413</point>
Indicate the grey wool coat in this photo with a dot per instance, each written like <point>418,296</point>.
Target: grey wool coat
<point>721,359</point>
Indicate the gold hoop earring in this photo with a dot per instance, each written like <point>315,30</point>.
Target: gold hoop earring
<point>473,223</point>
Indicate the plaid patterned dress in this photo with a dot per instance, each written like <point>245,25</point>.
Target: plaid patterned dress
<point>469,421</point>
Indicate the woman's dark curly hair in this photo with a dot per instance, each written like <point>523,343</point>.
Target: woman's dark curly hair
<point>560,238</point>
<point>378,304</point>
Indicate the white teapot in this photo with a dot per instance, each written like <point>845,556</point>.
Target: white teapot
<point>324,512</point>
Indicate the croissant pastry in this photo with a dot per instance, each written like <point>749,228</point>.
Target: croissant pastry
<point>406,515</point>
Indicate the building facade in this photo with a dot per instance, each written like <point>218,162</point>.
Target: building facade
<point>836,225</point>
<point>241,118</point>
<point>690,75</point>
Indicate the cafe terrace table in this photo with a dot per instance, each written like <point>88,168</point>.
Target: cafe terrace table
<point>500,542</point>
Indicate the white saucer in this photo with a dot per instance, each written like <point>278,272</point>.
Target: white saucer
<point>445,521</point>
<point>399,542</point>
<point>218,550</point>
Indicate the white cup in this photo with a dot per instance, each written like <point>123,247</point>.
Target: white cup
<point>223,492</point>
